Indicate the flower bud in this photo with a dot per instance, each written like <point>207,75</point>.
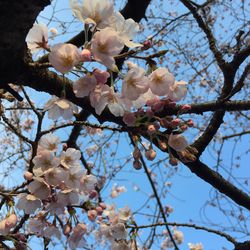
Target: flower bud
<point>150,154</point>
<point>102,205</point>
<point>11,221</point>
<point>151,129</point>
<point>99,210</point>
<point>67,229</point>
<point>185,107</point>
<point>92,215</point>
<point>137,153</point>
<point>85,55</point>
<point>190,123</point>
<point>137,165</point>
<point>93,194</point>
<point>28,176</point>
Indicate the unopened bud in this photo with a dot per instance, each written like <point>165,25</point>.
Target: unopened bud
<point>92,215</point>
<point>185,107</point>
<point>99,210</point>
<point>137,165</point>
<point>28,176</point>
<point>136,153</point>
<point>150,154</point>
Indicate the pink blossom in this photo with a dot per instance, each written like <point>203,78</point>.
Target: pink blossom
<point>84,85</point>
<point>135,83</point>
<point>105,45</point>
<point>85,56</point>
<point>101,76</point>
<point>64,57</point>
<point>49,142</point>
<point>29,203</point>
<point>160,81</point>
<point>96,12</point>
<point>60,107</point>
<point>177,141</point>
<point>37,38</point>
<point>39,188</point>
<point>178,91</point>
<point>76,239</point>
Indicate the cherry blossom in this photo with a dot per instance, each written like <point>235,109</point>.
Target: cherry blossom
<point>95,12</point>
<point>76,239</point>
<point>29,203</point>
<point>160,81</point>
<point>135,83</point>
<point>126,29</point>
<point>64,57</point>
<point>177,141</point>
<point>49,142</point>
<point>44,161</point>
<point>84,85</point>
<point>37,38</point>
<point>39,188</point>
<point>60,107</point>
<point>101,76</point>
<point>197,246</point>
<point>178,91</point>
<point>105,45</point>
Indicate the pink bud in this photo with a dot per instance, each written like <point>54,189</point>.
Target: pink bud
<point>175,122</point>
<point>92,215</point>
<point>184,127</point>
<point>101,76</point>
<point>185,107</point>
<point>158,106</point>
<point>85,55</point>
<point>151,129</point>
<point>163,146</point>
<point>149,112</point>
<point>28,176</point>
<point>173,161</point>
<point>137,165</point>
<point>150,154</point>
<point>93,194</point>
<point>102,205</point>
<point>137,153</point>
<point>11,221</point>
<point>147,45</point>
<point>190,123</point>
<point>99,210</point>
<point>66,229</point>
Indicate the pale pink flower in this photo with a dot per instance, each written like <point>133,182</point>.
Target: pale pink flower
<point>37,38</point>
<point>101,76</point>
<point>39,188</point>
<point>178,91</point>
<point>68,197</point>
<point>105,45</point>
<point>76,239</point>
<point>51,231</point>
<point>29,203</point>
<point>126,29</point>
<point>107,98</point>
<point>92,215</point>
<point>94,12</point>
<point>49,142</point>
<point>28,176</point>
<point>44,161</point>
<point>117,190</point>
<point>144,99</point>
<point>88,183</point>
<point>60,107</point>
<point>84,85</point>
<point>160,81</point>
<point>197,246</point>
<point>177,141</point>
<point>135,83</point>
<point>124,214</point>
<point>56,176</point>
<point>178,236</point>
<point>70,158</point>
<point>120,245</point>
<point>64,57</point>
<point>54,32</point>
<point>118,231</point>
<point>36,225</point>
